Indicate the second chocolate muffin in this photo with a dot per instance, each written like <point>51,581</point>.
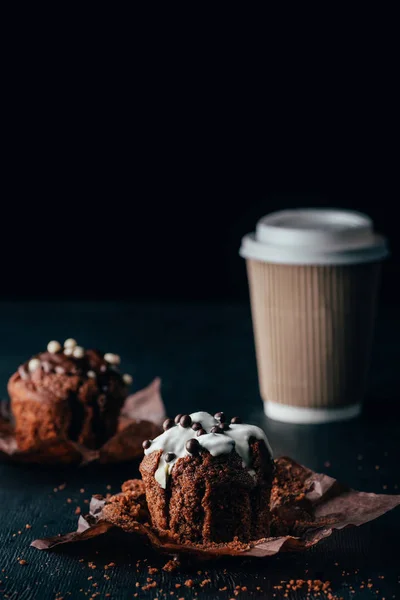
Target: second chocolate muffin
<point>207,481</point>
<point>67,393</point>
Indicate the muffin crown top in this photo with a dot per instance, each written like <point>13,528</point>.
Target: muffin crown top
<point>72,359</point>
<point>187,435</point>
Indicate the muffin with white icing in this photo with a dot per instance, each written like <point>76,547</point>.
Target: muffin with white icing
<point>207,481</point>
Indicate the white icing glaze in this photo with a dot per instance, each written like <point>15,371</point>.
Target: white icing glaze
<point>174,441</point>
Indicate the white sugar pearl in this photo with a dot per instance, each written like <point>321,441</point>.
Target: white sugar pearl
<point>91,374</point>
<point>112,359</point>
<point>33,364</point>
<point>78,352</point>
<point>127,379</point>
<point>53,347</point>
<point>70,343</point>
<point>68,351</point>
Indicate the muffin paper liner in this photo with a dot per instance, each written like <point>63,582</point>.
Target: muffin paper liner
<point>141,418</point>
<point>306,508</point>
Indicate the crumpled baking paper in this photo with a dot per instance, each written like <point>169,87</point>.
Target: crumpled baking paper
<point>306,508</point>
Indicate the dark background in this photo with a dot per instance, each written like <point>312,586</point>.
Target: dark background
<point>134,175</point>
<point>176,240</point>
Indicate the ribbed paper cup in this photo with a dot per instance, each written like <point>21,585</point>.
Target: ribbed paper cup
<point>313,307</point>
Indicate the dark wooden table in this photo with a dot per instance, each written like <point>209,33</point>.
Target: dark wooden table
<point>205,357</point>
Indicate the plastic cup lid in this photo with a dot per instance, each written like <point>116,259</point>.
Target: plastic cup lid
<point>315,236</point>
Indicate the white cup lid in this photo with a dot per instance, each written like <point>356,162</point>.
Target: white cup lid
<point>315,236</point>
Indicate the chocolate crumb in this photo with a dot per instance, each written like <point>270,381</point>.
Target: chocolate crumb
<point>171,565</point>
<point>148,586</point>
<point>22,561</point>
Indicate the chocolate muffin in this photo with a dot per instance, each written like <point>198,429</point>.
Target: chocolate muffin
<point>67,393</point>
<point>207,481</point>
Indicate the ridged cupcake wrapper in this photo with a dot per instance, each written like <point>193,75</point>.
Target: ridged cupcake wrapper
<point>313,328</point>
<point>333,506</point>
<point>141,418</point>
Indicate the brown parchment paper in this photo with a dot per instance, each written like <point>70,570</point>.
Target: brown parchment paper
<point>306,508</point>
<point>140,419</point>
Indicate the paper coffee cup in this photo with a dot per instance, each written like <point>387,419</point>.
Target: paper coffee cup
<point>313,278</point>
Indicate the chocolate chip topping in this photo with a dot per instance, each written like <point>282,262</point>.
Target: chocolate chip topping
<point>90,365</point>
<point>220,417</point>
<point>201,431</point>
<point>23,373</point>
<point>216,429</point>
<point>177,418</point>
<point>168,423</point>
<point>193,446</point>
<point>47,366</point>
<point>185,421</point>
<point>146,444</point>
<point>236,421</point>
